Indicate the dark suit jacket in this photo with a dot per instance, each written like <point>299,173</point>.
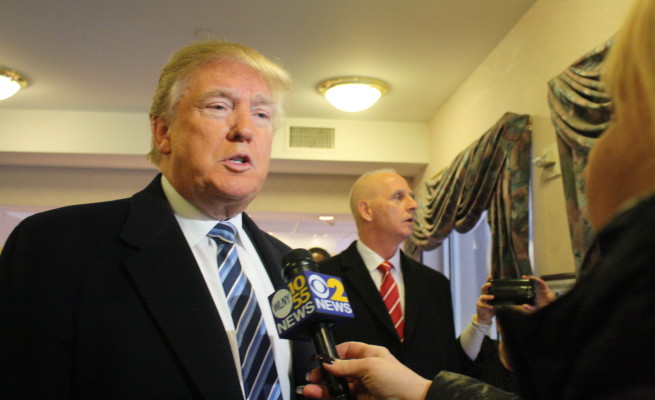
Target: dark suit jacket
<point>430,344</point>
<point>107,301</point>
<point>595,341</point>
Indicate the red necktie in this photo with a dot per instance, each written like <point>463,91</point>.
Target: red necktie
<point>391,297</point>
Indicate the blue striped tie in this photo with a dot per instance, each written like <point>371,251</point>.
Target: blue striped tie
<point>260,379</point>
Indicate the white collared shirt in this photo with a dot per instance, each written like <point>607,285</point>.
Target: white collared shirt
<point>372,260</point>
<point>195,226</point>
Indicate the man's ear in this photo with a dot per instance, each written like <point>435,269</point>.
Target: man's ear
<point>160,135</point>
<point>365,210</point>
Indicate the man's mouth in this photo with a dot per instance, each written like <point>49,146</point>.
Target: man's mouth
<point>238,160</point>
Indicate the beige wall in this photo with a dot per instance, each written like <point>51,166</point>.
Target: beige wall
<point>55,187</point>
<point>549,37</point>
<point>299,193</point>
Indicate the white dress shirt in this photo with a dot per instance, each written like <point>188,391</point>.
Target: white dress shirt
<point>196,225</point>
<point>372,260</point>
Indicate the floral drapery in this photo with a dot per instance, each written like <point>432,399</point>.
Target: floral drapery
<point>580,111</point>
<point>492,174</point>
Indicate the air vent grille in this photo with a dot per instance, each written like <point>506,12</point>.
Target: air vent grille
<point>311,137</point>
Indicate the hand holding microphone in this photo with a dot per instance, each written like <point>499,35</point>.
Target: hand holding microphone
<point>310,306</point>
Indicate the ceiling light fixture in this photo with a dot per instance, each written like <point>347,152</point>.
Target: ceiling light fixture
<point>10,83</point>
<point>352,93</point>
<point>326,217</point>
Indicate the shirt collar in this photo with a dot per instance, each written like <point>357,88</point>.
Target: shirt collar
<point>194,223</point>
<point>372,260</point>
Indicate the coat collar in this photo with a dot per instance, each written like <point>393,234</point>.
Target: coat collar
<point>415,294</point>
<point>166,276</point>
<point>269,249</point>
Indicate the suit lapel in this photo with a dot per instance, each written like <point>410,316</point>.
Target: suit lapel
<point>358,276</point>
<point>271,257</point>
<point>166,275</point>
<point>414,292</point>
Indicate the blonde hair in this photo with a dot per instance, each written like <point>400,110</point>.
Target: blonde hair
<point>629,72</point>
<point>185,61</point>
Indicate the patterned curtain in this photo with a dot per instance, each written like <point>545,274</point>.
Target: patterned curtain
<point>580,112</point>
<point>492,174</point>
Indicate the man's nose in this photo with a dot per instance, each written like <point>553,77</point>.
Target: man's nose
<point>412,204</point>
<point>241,125</point>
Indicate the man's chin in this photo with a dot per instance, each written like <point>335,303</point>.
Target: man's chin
<point>222,202</point>
<point>237,195</point>
<point>235,188</point>
<point>407,234</point>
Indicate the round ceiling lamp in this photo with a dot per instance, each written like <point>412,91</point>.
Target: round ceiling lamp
<point>352,93</point>
<point>10,83</point>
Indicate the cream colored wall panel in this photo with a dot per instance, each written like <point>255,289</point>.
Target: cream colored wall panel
<point>549,37</point>
<point>50,131</point>
<point>360,141</point>
<point>67,138</point>
<point>55,187</point>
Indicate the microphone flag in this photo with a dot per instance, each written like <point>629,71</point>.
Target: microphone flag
<point>310,297</point>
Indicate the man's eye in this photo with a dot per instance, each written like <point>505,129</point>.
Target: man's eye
<point>262,112</point>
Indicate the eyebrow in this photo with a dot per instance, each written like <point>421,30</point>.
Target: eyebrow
<point>402,191</point>
<point>259,99</point>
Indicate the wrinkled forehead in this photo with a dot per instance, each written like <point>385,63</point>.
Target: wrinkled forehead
<point>223,71</point>
<point>211,78</point>
<point>395,182</point>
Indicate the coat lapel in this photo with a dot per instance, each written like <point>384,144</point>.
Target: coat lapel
<point>270,255</point>
<point>166,275</point>
<point>358,276</point>
<point>414,291</point>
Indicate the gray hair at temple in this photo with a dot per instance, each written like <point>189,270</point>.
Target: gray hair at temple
<point>629,72</point>
<point>196,55</point>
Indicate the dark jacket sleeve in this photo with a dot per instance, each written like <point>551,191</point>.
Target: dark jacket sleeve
<point>449,385</point>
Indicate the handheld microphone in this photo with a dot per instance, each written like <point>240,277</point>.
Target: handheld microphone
<point>310,306</point>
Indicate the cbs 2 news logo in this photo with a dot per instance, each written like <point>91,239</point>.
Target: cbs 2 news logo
<point>332,289</point>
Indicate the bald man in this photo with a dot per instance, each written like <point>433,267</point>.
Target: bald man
<point>398,303</point>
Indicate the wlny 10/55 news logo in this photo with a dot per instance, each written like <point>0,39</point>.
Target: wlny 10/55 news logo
<point>310,297</point>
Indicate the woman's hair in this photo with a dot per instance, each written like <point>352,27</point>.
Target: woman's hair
<point>629,72</point>
<point>185,61</point>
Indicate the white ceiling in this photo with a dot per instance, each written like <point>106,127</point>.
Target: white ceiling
<point>103,55</point>
<point>98,55</point>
